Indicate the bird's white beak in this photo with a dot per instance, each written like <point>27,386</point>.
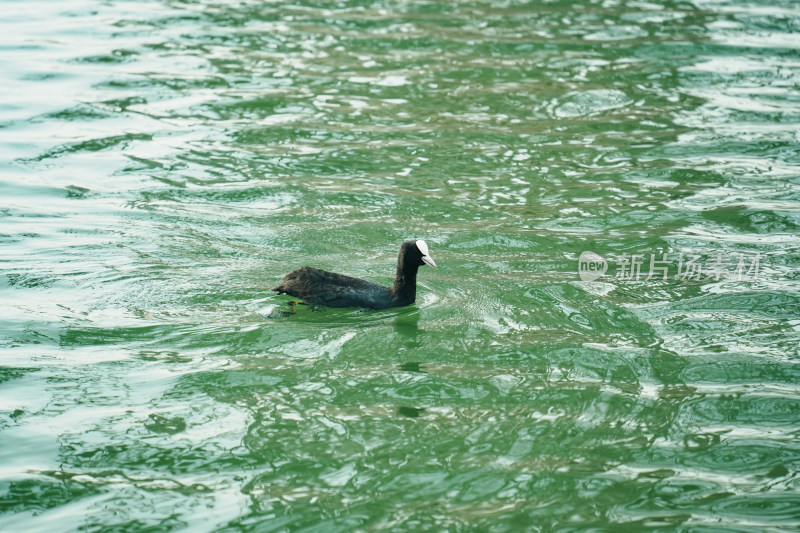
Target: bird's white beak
<point>422,246</point>
<point>428,261</point>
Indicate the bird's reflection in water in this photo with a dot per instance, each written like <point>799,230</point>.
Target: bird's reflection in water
<point>407,327</point>
<point>411,366</point>
<point>410,412</point>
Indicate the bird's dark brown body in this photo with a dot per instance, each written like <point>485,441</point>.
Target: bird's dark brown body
<point>320,287</point>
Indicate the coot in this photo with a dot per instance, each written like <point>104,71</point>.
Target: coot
<point>320,287</point>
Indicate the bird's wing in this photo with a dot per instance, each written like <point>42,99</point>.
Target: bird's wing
<point>320,287</point>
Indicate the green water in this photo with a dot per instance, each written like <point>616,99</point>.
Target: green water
<point>164,163</point>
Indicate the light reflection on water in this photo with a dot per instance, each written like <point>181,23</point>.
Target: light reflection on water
<point>164,164</point>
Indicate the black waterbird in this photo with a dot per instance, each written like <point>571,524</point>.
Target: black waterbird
<point>320,287</point>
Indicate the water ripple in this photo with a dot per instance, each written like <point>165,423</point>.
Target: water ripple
<point>166,163</point>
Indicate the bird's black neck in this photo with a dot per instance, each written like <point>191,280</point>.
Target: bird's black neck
<point>404,289</point>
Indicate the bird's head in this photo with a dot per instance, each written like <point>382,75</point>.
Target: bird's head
<point>417,252</point>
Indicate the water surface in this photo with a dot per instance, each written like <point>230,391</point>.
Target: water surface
<point>164,163</point>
